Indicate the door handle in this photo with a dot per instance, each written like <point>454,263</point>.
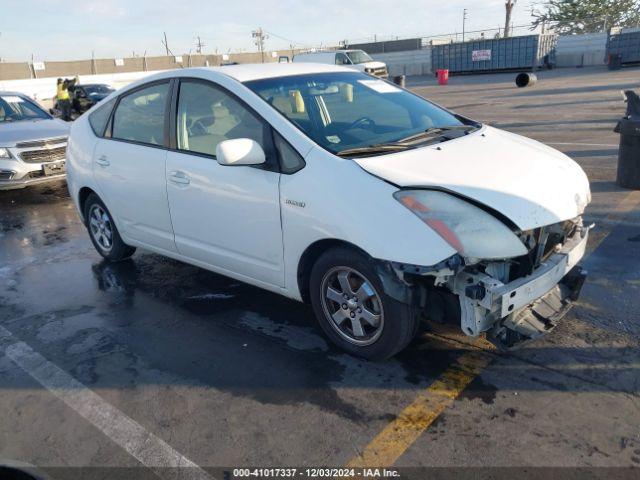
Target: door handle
<point>103,161</point>
<point>179,178</point>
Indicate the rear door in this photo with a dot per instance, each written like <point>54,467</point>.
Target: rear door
<point>129,166</point>
<point>225,216</point>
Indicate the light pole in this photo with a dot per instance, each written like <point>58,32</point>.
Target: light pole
<point>464,21</point>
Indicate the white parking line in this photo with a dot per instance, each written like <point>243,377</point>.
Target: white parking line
<point>141,444</point>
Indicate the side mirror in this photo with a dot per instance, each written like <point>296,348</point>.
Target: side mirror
<point>240,151</point>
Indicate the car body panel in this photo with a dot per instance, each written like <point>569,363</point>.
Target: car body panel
<point>226,216</point>
<point>528,182</point>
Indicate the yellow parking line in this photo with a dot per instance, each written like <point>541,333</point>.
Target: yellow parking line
<point>401,433</point>
<point>397,436</point>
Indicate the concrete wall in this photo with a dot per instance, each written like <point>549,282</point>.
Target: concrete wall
<point>413,62</point>
<point>581,50</point>
<point>43,89</point>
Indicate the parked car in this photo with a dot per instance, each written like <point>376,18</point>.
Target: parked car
<point>334,188</point>
<point>83,97</point>
<point>355,59</point>
<point>86,96</point>
<point>32,143</point>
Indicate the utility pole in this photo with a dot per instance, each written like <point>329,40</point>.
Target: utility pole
<point>259,39</point>
<point>508,5</point>
<point>166,45</point>
<point>464,21</point>
<point>199,45</point>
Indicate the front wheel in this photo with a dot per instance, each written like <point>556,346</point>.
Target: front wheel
<point>349,302</point>
<point>103,232</point>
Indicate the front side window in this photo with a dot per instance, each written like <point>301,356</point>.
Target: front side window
<point>99,118</point>
<point>139,116</point>
<point>207,116</point>
<point>342,111</point>
<point>16,108</point>
<point>341,59</point>
<point>359,56</point>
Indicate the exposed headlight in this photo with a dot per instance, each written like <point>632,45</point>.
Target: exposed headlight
<point>473,232</point>
<point>4,153</point>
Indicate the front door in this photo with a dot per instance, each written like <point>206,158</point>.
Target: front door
<point>130,167</point>
<point>227,217</point>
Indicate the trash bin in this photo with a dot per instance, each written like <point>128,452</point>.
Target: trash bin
<point>629,152</point>
<point>400,80</point>
<point>443,76</point>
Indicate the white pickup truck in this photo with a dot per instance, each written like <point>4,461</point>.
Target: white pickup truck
<point>356,59</point>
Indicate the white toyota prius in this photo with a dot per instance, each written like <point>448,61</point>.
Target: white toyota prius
<point>336,188</point>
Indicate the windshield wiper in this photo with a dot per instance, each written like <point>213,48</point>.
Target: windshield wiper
<point>435,131</point>
<point>376,148</point>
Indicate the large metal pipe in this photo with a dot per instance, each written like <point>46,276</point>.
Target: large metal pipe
<point>526,79</point>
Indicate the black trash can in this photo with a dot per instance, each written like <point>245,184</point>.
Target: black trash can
<point>400,80</point>
<point>629,152</point>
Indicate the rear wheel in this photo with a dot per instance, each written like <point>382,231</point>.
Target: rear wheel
<point>353,310</point>
<point>103,232</point>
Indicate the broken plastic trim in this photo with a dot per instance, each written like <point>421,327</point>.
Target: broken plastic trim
<point>396,282</point>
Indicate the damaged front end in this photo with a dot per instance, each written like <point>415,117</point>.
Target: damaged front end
<point>512,300</point>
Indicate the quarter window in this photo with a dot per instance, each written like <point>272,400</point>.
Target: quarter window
<point>139,116</point>
<point>98,119</point>
<point>290,160</point>
<point>207,116</point>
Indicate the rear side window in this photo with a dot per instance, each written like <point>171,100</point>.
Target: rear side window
<point>99,118</point>
<point>139,116</point>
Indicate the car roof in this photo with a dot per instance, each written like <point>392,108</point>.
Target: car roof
<point>247,72</point>
<point>13,94</point>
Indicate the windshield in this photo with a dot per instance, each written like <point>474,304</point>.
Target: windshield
<point>97,89</point>
<point>343,111</point>
<point>14,108</point>
<point>359,56</point>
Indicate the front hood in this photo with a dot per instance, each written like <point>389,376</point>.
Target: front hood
<point>375,65</point>
<point>531,184</point>
<point>24,131</point>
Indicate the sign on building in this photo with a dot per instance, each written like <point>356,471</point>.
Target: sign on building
<point>38,66</point>
<point>480,55</point>
<point>178,59</point>
<point>119,62</point>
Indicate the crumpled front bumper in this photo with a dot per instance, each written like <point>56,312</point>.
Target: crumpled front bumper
<point>524,308</point>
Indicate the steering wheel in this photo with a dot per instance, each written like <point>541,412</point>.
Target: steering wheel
<point>197,128</point>
<point>361,122</point>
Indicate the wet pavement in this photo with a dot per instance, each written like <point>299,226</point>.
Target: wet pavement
<point>231,375</point>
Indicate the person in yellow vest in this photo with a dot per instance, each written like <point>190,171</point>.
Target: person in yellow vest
<point>63,97</point>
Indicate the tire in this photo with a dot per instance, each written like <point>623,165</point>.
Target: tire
<point>397,322</point>
<point>104,234</point>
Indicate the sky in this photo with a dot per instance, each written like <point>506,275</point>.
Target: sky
<point>61,30</point>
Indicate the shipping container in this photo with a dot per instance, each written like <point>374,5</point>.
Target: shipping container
<point>493,55</point>
<point>626,43</point>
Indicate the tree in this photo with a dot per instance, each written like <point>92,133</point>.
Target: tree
<point>588,16</point>
<point>508,5</point>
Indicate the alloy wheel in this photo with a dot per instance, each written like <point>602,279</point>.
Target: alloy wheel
<point>101,228</point>
<point>352,306</point>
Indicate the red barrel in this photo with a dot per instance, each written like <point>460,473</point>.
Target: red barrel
<point>443,76</point>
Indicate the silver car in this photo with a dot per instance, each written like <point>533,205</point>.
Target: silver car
<point>33,144</point>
